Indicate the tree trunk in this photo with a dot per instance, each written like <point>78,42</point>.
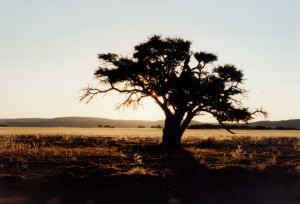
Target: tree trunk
<point>172,134</point>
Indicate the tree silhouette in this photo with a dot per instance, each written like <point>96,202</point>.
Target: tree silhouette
<point>182,82</point>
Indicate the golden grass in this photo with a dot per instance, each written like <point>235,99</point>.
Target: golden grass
<point>120,150</point>
<point>62,131</point>
<point>140,132</point>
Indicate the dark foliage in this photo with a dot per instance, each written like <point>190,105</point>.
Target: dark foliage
<point>156,126</point>
<point>204,126</point>
<point>239,127</point>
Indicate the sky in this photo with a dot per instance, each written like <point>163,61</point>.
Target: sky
<point>48,51</point>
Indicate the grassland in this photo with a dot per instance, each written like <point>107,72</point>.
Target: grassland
<point>103,165</point>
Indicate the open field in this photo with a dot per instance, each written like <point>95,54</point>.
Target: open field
<point>50,131</point>
<point>102,165</point>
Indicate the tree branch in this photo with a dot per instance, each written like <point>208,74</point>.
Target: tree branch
<point>225,127</point>
<point>90,93</point>
<point>220,122</point>
<point>186,121</point>
<point>162,105</point>
<point>261,111</point>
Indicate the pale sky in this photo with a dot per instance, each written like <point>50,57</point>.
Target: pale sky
<point>48,50</point>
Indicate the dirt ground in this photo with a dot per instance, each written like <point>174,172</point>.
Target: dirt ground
<point>99,169</point>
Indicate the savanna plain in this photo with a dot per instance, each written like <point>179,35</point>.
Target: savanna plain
<point>118,165</point>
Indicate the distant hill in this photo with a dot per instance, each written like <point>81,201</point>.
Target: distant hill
<point>94,122</point>
<point>79,122</point>
<point>295,123</point>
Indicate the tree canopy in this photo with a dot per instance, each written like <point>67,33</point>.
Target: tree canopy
<point>182,82</point>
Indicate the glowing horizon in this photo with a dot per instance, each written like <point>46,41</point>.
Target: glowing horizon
<point>49,51</point>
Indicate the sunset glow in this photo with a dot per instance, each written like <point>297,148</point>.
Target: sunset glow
<point>49,51</point>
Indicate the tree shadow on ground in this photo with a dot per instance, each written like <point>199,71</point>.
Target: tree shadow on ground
<point>194,183</point>
<point>187,182</point>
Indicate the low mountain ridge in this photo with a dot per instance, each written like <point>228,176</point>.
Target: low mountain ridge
<point>77,122</point>
<point>95,122</point>
<point>293,123</point>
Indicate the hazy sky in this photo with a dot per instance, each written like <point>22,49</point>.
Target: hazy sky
<point>48,50</point>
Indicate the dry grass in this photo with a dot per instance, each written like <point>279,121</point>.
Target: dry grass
<point>131,162</point>
<point>141,132</point>
<point>247,152</point>
<point>120,151</point>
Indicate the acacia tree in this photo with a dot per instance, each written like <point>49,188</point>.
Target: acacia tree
<point>183,83</point>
